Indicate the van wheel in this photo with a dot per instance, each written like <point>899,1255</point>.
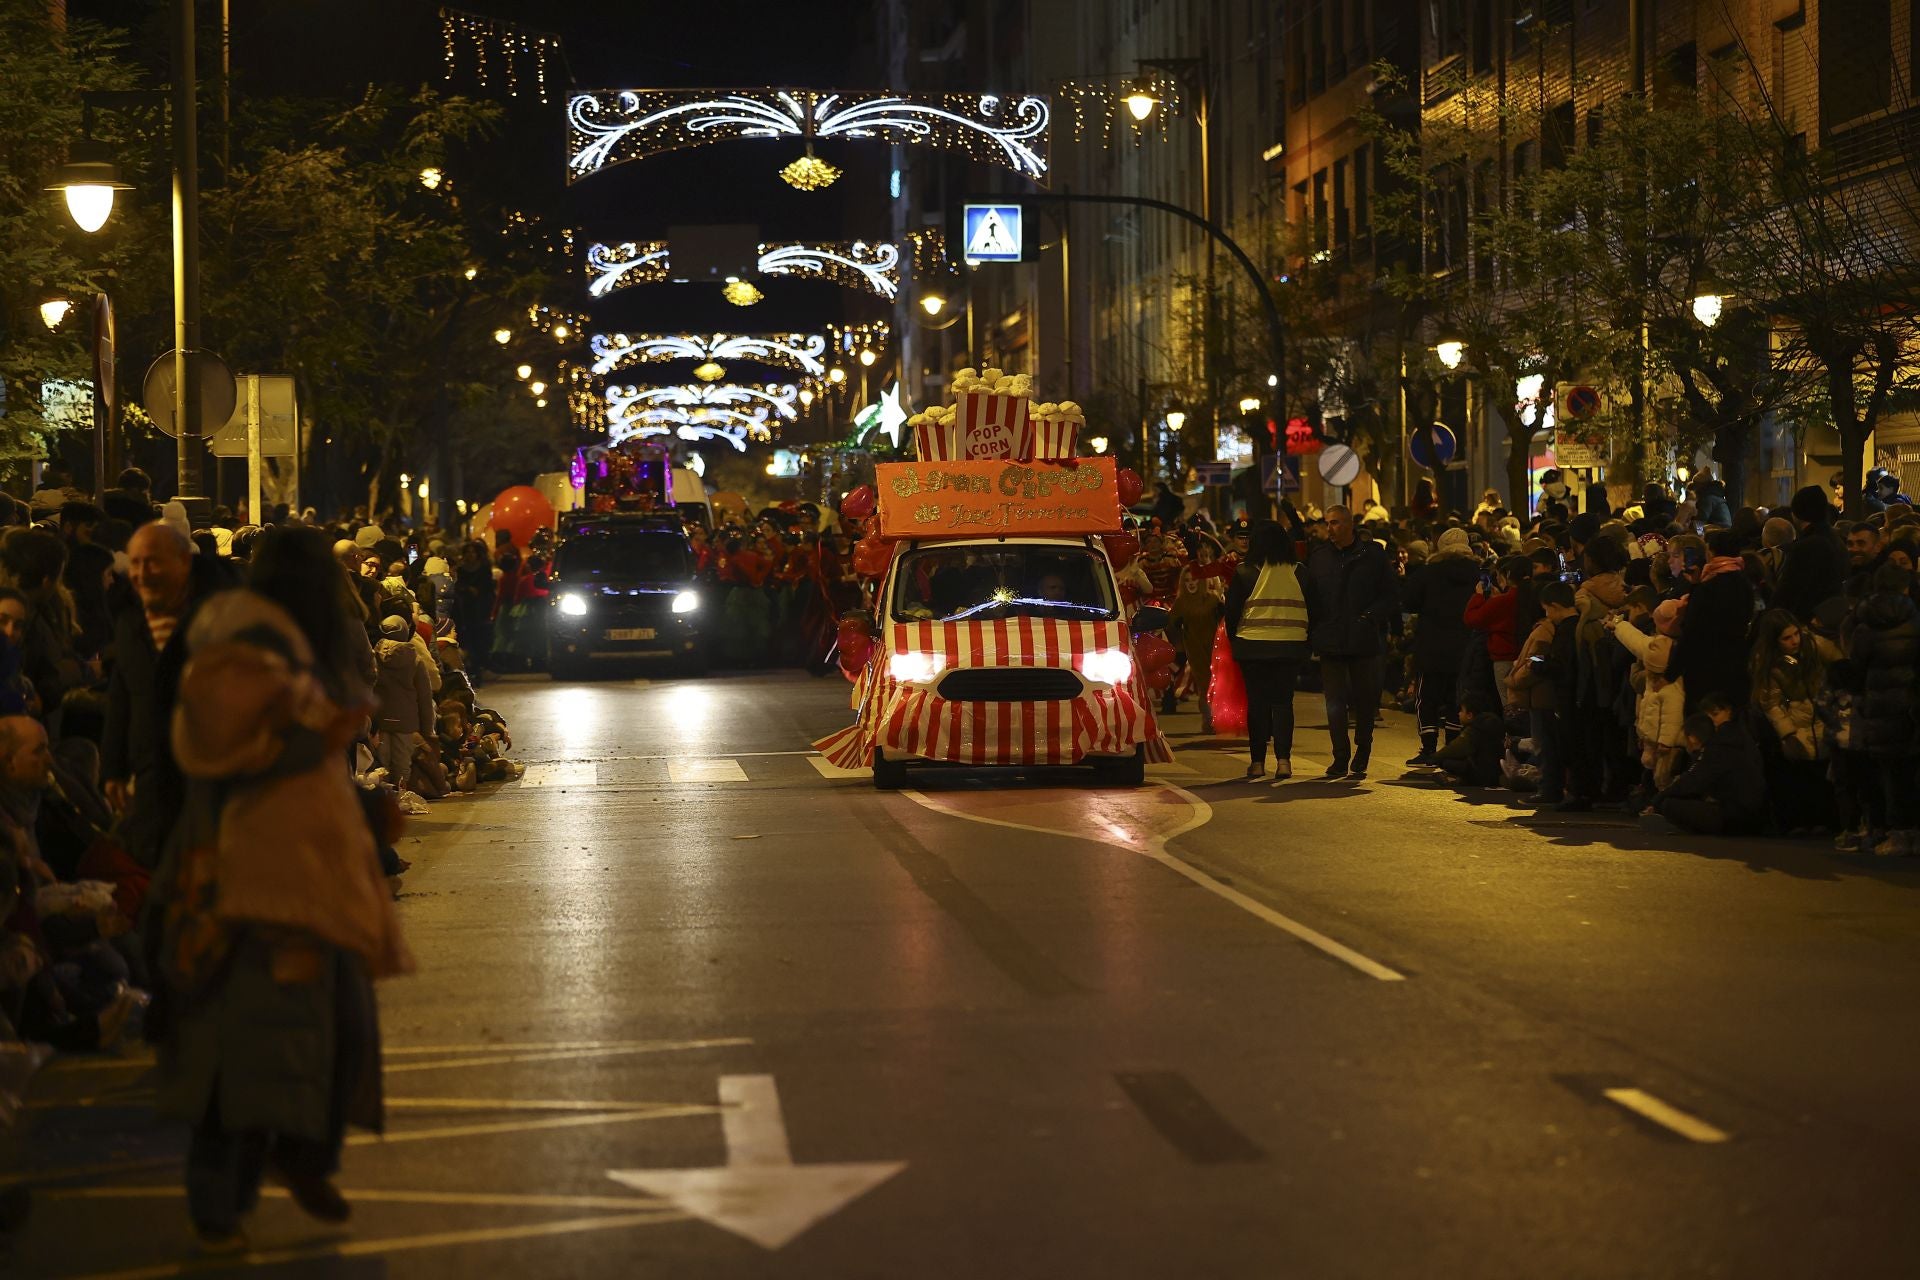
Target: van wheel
<point>888,775</point>
<point>1130,772</point>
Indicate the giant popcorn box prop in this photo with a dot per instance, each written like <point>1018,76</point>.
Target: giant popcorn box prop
<point>933,434</point>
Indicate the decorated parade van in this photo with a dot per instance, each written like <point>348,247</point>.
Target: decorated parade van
<point>999,635</point>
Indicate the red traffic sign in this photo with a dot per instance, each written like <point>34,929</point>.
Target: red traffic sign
<point>1577,401</point>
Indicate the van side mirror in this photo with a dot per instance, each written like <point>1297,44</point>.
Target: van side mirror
<point>1151,617</point>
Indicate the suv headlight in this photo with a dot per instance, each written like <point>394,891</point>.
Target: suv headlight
<point>573,605</point>
<point>686,602</point>
<point>1107,666</point>
<point>916,668</point>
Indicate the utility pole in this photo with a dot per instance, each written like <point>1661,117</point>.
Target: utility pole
<point>186,255</point>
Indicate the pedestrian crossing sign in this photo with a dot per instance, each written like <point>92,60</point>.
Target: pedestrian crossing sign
<point>992,232</point>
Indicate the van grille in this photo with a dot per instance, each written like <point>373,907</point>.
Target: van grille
<point>1010,684</point>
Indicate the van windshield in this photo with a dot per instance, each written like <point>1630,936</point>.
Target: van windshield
<point>968,583</point>
<point>636,555</point>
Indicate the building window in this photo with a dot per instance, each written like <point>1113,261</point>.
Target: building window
<point>1320,210</point>
<point>1482,47</point>
<point>1362,196</point>
<point>1556,137</point>
<point>1676,81</point>
<point>1446,27</point>
<point>1340,212</point>
<point>1856,60</point>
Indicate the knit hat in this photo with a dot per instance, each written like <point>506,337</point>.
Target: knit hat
<point>1454,542</point>
<point>1666,617</point>
<point>1776,532</point>
<point>369,535</point>
<point>435,564</point>
<point>1418,551</point>
<point>1583,527</point>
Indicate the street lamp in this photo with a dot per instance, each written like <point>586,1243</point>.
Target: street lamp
<point>867,357</point>
<point>806,397</point>
<point>933,304</point>
<point>1450,349</point>
<point>523,372</point>
<point>1141,99</point>
<point>1176,419</point>
<point>88,180</point>
<point>1249,404</point>
<point>53,311</point>
<point>836,375</point>
<point>503,336</point>
<point>538,388</point>
<point>1709,300</point>
<point>431,178</point>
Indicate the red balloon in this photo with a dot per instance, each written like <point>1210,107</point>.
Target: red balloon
<point>854,652</point>
<point>871,556</point>
<point>520,511</point>
<point>1130,485</point>
<point>1128,593</point>
<point>1121,548</point>
<point>1159,678</point>
<point>858,502</point>
<point>1153,651</point>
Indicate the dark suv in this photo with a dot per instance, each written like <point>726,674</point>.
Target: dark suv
<point>623,589</point>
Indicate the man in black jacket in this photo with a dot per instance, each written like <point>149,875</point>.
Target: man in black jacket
<point>1352,596</point>
<point>1815,564</point>
<point>149,650</point>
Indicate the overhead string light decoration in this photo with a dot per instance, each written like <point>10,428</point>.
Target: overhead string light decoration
<point>634,411</point>
<point>810,173</point>
<point>499,50</point>
<point>607,126</point>
<point>854,264</point>
<point>801,351</point>
<point>1091,107</point>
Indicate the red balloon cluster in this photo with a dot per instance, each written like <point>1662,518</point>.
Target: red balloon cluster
<point>1130,486</point>
<point>857,503</point>
<point>1121,548</point>
<point>855,639</point>
<point>1155,654</point>
<point>871,555</point>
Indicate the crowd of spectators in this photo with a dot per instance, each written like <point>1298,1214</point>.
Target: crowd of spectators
<point>97,602</point>
<point>1743,671</point>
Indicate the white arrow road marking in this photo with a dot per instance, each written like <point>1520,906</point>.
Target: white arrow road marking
<point>761,1194</point>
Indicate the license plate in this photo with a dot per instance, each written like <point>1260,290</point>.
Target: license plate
<point>630,633</point>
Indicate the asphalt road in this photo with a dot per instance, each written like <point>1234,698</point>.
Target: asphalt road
<point>691,1004</point>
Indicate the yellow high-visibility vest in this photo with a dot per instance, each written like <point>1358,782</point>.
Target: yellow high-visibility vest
<point>1277,609</point>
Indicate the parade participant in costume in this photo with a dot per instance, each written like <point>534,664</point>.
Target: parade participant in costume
<point>1197,602</point>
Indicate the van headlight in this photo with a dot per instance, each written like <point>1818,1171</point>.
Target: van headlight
<point>916,668</point>
<point>1107,666</point>
<point>686,602</point>
<point>573,605</point>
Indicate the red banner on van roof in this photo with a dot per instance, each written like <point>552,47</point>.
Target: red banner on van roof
<point>994,499</point>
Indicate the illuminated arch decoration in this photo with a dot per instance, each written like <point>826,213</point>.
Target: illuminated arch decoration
<point>854,264</point>
<point>638,412</point>
<point>781,399</point>
<point>607,126</point>
<point>802,351</point>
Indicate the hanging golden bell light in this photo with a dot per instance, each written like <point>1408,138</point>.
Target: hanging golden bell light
<point>810,172</point>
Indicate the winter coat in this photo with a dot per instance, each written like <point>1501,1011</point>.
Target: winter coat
<point>1439,594</point>
<point>1728,769</point>
<point>1785,696</point>
<point>270,911</point>
<point>1599,673</point>
<point>404,691</point>
<point>1352,596</point>
<point>1659,712</point>
<point>1885,646</point>
<point>1537,684</point>
<point>1474,756</point>
<point>1814,569</point>
<point>1494,614</point>
<point>1711,653</point>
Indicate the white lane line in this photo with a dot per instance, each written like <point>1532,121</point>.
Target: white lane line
<point>562,774</point>
<point>1156,850</point>
<point>1666,1115</point>
<point>715,769</point>
<point>833,772</point>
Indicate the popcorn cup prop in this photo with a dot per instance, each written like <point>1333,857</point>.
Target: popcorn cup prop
<point>933,435</point>
<point>1056,430</point>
